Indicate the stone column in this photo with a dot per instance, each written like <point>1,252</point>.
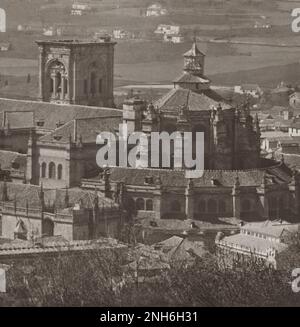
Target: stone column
<point>158,198</point>
<point>54,92</point>
<point>263,195</point>
<point>62,95</point>
<point>67,88</point>
<point>236,198</point>
<point>189,200</point>
<point>41,73</point>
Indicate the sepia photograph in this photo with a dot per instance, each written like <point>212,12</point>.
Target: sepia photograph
<point>149,156</point>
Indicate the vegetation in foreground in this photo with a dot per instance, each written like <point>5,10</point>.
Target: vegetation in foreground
<point>98,279</point>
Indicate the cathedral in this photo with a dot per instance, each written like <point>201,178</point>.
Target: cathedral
<point>48,151</point>
<point>231,135</point>
<point>237,182</point>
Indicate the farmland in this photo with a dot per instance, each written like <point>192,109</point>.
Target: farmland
<point>147,59</point>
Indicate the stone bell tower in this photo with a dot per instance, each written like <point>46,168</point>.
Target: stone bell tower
<point>193,77</point>
<point>77,72</point>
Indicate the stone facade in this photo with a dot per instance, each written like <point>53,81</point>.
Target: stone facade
<point>77,72</point>
<point>250,195</point>
<point>231,135</point>
<point>28,212</point>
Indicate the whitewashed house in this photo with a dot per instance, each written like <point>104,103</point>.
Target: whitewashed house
<point>167,29</point>
<point>156,10</point>
<point>79,9</point>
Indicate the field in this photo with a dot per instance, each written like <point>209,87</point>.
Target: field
<point>149,60</point>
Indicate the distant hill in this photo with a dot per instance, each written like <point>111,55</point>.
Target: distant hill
<point>267,77</point>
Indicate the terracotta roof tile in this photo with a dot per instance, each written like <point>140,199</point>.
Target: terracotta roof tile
<point>190,78</point>
<point>172,178</point>
<point>24,193</point>
<point>51,113</point>
<point>18,119</point>
<point>86,128</point>
<point>194,101</point>
<point>194,51</point>
<point>7,158</point>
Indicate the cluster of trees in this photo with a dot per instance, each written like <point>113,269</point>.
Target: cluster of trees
<point>98,279</point>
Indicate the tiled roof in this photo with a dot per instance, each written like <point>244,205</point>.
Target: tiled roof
<point>276,136</point>
<point>85,128</point>
<point>295,94</point>
<point>275,119</point>
<point>194,101</point>
<point>279,109</point>
<point>51,113</point>
<point>24,193</point>
<point>18,119</point>
<point>172,178</point>
<point>292,160</point>
<point>26,247</point>
<point>194,51</point>
<point>8,157</point>
<point>271,228</point>
<point>190,78</point>
<point>253,244</point>
<point>296,125</point>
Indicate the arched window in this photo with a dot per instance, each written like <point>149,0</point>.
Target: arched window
<point>59,172</point>
<point>52,173</point>
<point>140,204</point>
<point>149,205</point>
<point>44,168</point>
<point>202,206</point>
<point>246,205</point>
<point>56,72</point>
<point>47,227</point>
<point>176,207</point>
<point>222,206</point>
<point>212,206</point>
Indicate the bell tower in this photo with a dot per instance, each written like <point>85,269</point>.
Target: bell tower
<point>194,61</point>
<point>77,72</point>
<point>193,77</point>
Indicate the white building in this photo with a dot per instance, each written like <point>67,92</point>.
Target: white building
<point>156,10</point>
<point>249,89</point>
<point>5,46</point>
<point>120,34</point>
<point>294,130</point>
<point>262,241</point>
<point>173,38</point>
<point>167,29</point>
<point>49,31</point>
<point>79,9</point>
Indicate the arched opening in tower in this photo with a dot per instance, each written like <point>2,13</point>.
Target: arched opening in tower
<point>56,81</point>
